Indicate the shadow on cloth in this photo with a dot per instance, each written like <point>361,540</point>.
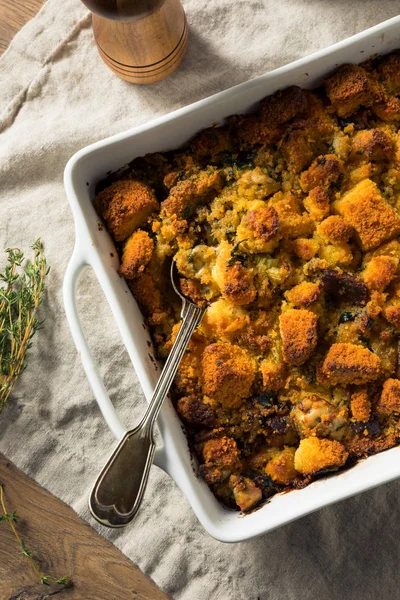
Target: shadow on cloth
<point>204,81</point>
<point>336,552</point>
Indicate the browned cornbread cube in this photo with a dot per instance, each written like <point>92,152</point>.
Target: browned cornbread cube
<point>303,294</point>
<point>292,222</point>
<point>388,110</point>
<point>391,248</point>
<point>372,144</point>
<point>249,130</point>
<point>349,363</point>
<point>283,105</point>
<point>211,142</point>
<point>389,73</point>
<point>149,298</point>
<point>259,229</point>
<point>298,149</point>
<point>233,279</point>
<point>273,374</point>
<point>335,230</point>
<point>336,255</point>
<point>380,271</point>
<point>281,466</point>
<point>389,401</point>
<point>392,312</point>
<point>195,411</point>
<point>189,370</point>
<point>276,110</point>
<point>360,406</point>
<point>317,203</point>
<point>227,373</point>
<point>323,171</point>
<point>126,205</point>
<point>305,248</point>
<point>187,194</point>
<point>314,454</point>
<point>374,221</point>
<point>136,254</point>
<point>221,459</point>
<point>298,330</point>
<point>349,88</point>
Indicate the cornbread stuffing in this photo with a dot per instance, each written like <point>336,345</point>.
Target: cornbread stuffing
<point>286,223</point>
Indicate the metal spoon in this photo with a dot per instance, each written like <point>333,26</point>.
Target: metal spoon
<point>118,491</point>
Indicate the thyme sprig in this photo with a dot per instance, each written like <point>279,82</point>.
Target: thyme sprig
<point>21,291</point>
<point>20,297</point>
<point>12,519</point>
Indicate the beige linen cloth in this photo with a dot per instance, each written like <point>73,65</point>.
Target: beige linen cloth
<point>56,96</point>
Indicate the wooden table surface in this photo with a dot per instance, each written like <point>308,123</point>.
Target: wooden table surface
<point>60,540</point>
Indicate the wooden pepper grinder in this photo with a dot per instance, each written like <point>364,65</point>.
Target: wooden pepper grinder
<point>142,41</point>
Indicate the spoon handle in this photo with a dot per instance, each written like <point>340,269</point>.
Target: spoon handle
<point>119,489</point>
<point>191,317</point>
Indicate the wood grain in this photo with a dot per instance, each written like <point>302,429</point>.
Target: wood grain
<point>146,49</point>
<point>65,545</point>
<point>13,15</point>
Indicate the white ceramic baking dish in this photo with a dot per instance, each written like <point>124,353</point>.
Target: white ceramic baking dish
<point>95,248</point>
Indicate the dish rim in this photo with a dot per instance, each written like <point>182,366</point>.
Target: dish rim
<point>91,249</point>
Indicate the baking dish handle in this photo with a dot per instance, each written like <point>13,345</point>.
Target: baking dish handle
<point>76,265</point>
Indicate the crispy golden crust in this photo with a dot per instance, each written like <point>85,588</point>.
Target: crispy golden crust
<point>334,229</point>
<point>388,110</point>
<point>221,458</point>
<point>228,373</point>
<point>136,254</point>
<point>389,401</point>
<point>361,446</point>
<point>373,219</point>
<point>299,335</point>
<point>348,363</point>
<point>284,105</point>
<point>149,298</point>
<point>211,142</point>
<point>260,228</point>
<point>392,312</point>
<point>303,294</point>
<point>349,88</point>
<point>297,148</point>
<point>238,287</point>
<point>317,203</point>
<point>234,280</point>
<point>186,195</point>
<point>281,466</point>
<point>191,289</point>
<point>125,206</point>
<point>274,374</point>
<point>314,454</point>
<point>372,144</point>
<point>292,222</point>
<point>380,271</point>
<point>276,110</point>
<point>304,248</point>
<point>360,406</point>
<point>249,131</point>
<point>323,172</point>
<point>389,73</point>
<point>187,377</point>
